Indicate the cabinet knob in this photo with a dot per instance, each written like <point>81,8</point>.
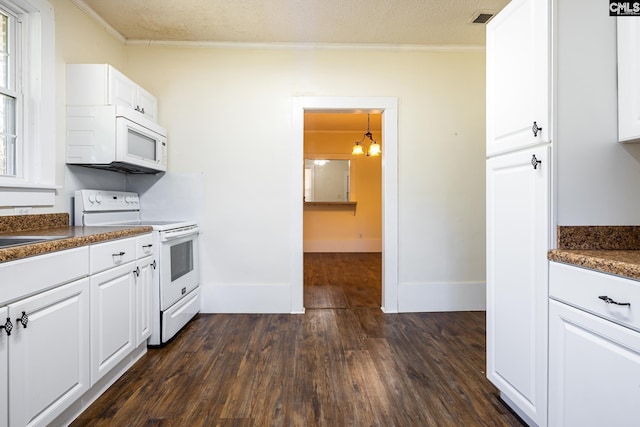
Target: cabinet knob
<point>611,301</point>
<point>535,128</point>
<point>24,319</point>
<point>535,162</point>
<point>8,326</point>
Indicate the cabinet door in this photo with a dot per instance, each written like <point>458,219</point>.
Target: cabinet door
<point>122,90</point>
<point>518,76</point>
<point>144,279</point>
<point>4,364</point>
<point>49,358</point>
<point>147,104</point>
<point>517,244</point>
<point>112,318</point>
<point>594,366</point>
<point>628,82</point>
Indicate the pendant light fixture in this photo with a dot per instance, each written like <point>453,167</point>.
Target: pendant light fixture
<point>373,149</point>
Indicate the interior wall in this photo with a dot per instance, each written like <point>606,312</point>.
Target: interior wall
<point>79,39</point>
<point>595,173</point>
<point>228,114</point>
<point>346,228</point>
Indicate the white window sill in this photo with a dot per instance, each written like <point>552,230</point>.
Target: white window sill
<point>27,195</point>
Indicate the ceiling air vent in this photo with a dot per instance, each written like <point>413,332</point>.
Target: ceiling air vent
<point>481,17</point>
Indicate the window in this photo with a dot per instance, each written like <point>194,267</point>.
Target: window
<point>27,103</point>
<point>9,93</point>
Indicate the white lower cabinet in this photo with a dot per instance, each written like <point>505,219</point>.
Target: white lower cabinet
<point>4,370</point>
<point>143,282</point>
<point>594,349</point>
<point>68,319</point>
<point>112,318</point>
<point>594,370</point>
<point>48,355</point>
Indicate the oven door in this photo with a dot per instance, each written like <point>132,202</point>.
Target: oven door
<point>178,264</point>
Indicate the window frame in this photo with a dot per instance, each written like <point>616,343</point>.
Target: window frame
<point>34,184</point>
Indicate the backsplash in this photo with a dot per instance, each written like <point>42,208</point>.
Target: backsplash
<point>626,237</point>
<point>11,224</point>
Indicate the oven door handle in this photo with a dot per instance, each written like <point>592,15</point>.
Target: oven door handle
<point>172,235</point>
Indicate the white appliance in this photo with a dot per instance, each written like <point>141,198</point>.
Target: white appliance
<point>115,138</point>
<point>176,292</point>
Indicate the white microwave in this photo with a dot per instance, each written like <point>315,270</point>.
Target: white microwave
<point>115,138</point>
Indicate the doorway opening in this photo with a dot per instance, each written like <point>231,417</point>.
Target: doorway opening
<point>387,108</point>
<point>342,218</point>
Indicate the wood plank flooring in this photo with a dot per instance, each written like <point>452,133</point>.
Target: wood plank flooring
<point>348,366</point>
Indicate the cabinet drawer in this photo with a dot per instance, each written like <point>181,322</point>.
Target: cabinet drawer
<point>144,246</point>
<point>31,275</point>
<point>582,288</point>
<point>112,254</point>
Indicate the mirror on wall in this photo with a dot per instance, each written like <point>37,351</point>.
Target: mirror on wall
<point>327,180</point>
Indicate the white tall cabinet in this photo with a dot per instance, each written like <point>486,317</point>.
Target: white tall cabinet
<point>552,62</point>
<point>518,204</point>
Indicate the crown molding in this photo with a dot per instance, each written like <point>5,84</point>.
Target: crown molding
<point>104,24</point>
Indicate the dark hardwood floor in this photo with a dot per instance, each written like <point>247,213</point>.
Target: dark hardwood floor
<point>350,365</point>
<point>342,280</point>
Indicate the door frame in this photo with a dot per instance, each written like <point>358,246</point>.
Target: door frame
<point>388,106</point>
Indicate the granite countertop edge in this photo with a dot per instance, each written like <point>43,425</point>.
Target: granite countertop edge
<point>70,237</point>
<point>624,263</point>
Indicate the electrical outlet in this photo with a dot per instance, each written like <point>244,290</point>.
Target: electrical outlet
<point>23,210</point>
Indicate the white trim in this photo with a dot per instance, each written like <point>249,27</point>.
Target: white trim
<point>353,245</point>
<point>431,297</point>
<point>247,298</point>
<point>389,108</point>
<point>305,46</point>
<point>97,18</point>
<point>36,186</point>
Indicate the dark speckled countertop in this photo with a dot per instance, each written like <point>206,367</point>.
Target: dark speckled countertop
<point>56,225</point>
<point>608,249</point>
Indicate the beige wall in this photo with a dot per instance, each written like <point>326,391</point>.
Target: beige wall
<point>339,228</point>
<point>228,113</point>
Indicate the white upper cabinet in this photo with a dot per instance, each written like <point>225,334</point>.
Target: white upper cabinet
<point>628,79</point>
<point>518,82</point>
<point>102,84</point>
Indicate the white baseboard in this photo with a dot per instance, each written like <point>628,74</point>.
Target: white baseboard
<point>426,297</point>
<point>354,245</point>
<point>246,298</point>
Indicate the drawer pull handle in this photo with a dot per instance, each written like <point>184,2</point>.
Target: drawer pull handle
<point>8,326</point>
<point>147,246</point>
<point>610,301</point>
<point>137,271</point>
<point>118,254</point>
<point>24,319</point>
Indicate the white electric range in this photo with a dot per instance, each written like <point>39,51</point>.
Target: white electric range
<point>176,292</point>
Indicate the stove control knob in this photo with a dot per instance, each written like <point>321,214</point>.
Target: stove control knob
<point>92,198</point>
<point>99,198</point>
<point>128,199</point>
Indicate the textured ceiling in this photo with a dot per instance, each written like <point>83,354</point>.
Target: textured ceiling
<point>379,22</point>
